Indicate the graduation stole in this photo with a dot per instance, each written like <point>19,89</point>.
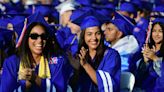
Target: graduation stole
<point>44,70</point>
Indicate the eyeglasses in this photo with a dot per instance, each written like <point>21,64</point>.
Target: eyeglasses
<point>35,36</point>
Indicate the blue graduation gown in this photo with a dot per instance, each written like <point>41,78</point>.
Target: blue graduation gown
<point>67,40</point>
<point>146,76</point>
<point>159,87</point>
<point>107,74</point>
<point>60,74</point>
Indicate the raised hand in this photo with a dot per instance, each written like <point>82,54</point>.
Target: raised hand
<point>82,55</point>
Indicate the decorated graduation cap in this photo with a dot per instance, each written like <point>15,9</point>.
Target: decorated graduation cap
<point>65,6</point>
<point>89,21</point>
<point>21,28</point>
<point>158,11</point>
<point>121,25</point>
<point>5,37</point>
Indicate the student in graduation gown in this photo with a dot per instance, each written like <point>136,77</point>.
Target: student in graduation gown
<point>100,66</point>
<point>39,66</point>
<point>117,33</point>
<point>150,67</point>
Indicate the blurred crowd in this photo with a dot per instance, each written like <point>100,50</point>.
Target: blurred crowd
<point>81,45</point>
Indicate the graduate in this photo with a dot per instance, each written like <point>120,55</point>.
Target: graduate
<point>100,66</point>
<point>39,65</point>
<point>117,33</point>
<point>149,74</point>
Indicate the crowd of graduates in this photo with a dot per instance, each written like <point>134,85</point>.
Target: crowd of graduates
<point>81,45</point>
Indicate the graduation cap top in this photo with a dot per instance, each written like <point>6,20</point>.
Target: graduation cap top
<point>121,25</point>
<point>79,15</point>
<point>89,21</point>
<point>65,6</point>
<point>21,28</point>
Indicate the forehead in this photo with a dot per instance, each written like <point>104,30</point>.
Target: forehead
<point>37,29</point>
<point>92,29</point>
<point>111,25</point>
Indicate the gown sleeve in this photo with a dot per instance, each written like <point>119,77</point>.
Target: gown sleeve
<point>9,75</point>
<point>108,73</point>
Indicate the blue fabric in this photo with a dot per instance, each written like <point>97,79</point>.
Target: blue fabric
<point>121,25</point>
<point>128,21</point>
<point>5,37</point>
<point>111,63</point>
<point>59,78</point>
<point>89,21</point>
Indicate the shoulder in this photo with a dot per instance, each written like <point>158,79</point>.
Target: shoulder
<point>110,51</point>
<point>12,60</point>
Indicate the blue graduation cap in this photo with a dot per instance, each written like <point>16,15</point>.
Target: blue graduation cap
<point>78,16</point>
<point>45,10</point>
<point>128,7</point>
<point>21,28</point>
<point>5,37</point>
<point>122,26</point>
<point>158,11</point>
<point>127,20</point>
<point>89,21</point>
<point>3,23</point>
<point>159,20</point>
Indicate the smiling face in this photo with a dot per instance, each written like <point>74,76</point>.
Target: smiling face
<point>157,34</point>
<point>92,37</point>
<point>37,44</point>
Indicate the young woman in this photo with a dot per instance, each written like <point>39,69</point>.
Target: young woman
<point>38,66</point>
<point>100,66</point>
<point>150,67</point>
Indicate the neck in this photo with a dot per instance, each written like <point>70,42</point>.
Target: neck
<point>157,47</point>
<point>36,58</point>
<point>92,53</point>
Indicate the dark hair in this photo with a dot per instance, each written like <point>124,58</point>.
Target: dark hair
<point>51,47</point>
<point>99,51</point>
<point>151,43</point>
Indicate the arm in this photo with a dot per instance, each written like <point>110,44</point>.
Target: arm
<point>109,71</point>
<point>88,68</point>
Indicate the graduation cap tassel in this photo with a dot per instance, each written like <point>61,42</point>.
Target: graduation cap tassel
<point>148,32</point>
<point>22,33</point>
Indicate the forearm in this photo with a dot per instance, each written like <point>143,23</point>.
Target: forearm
<point>91,72</point>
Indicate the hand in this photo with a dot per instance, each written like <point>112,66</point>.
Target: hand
<point>82,55</point>
<point>25,74</point>
<point>149,54</point>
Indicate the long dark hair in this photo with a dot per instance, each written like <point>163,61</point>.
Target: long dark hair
<point>99,51</point>
<point>51,47</point>
<point>151,43</point>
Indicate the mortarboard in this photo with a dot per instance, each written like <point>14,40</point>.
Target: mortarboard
<point>78,16</point>
<point>121,25</point>
<point>126,19</point>
<point>45,10</point>
<point>21,28</point>
<point>89,21</point>
<point>128,7</point>
<point>65,6</point>
<point>159,20</point>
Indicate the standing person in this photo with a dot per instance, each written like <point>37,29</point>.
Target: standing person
<point>118,35</point>
<point>151,65</point>
<point>100,66</point>
<point>38,66</point>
